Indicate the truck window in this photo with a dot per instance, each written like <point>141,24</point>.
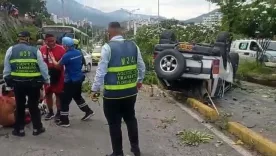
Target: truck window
<point>243,45</point>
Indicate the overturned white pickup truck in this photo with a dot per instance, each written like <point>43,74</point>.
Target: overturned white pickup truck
<point>196,69</point>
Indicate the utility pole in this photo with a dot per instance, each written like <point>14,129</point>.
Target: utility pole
<point>158,10</point>
<point>158,16</point>
<point>63,13</point>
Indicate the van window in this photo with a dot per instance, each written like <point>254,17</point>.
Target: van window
<point>254,46</point>
<point>243,45</point>
<point>272,46</point>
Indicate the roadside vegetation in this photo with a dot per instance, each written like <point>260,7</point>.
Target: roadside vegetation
<point>5,42</point>
<point>8,31</point>
<point>252,69</point>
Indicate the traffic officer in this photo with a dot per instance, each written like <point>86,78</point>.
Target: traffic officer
<point>26,72</point>
<point>72,60</point>
<point>122,70</point>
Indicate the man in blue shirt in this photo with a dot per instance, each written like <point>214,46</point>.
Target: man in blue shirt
<point>72,60</point>
<point>122,71</point>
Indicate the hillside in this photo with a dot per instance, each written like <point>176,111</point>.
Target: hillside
<point>199,19</point>
<point>77,11</point>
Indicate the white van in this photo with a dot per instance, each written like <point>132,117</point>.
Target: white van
<point>248,49</point>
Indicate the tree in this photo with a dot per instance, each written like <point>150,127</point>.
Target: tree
<point>258,17</point>
<point>230,10</point>
<point>169,23</point>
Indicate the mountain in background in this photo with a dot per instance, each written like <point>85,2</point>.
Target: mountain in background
<point>199,19</point>
<point>77,11</point>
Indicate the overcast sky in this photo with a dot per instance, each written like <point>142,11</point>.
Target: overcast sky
<point>179,9</point>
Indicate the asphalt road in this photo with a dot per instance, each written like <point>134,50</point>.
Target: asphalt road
<point>252,105</point>
<point>91,138</point>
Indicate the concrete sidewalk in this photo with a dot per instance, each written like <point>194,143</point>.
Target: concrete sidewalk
<point>91,138</point>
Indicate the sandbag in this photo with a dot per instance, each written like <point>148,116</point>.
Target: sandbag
<point>7,108</point>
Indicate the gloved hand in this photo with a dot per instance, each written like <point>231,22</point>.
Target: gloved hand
<point>95,96</point>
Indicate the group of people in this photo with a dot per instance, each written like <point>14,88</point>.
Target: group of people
<point>29,15</point>
<point>10,8</point>
<point>57,68</point>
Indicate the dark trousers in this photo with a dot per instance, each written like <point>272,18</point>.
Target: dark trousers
<point>21,91</point>
<point>72,90</point>
<point>115,110</point>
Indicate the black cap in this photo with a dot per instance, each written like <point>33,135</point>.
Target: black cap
<point>24,34</point>
<point>114,25</point>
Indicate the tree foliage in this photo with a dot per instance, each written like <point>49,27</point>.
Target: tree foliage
<point>258,17</point>
<point>167,24</point>
<point>248,17</point>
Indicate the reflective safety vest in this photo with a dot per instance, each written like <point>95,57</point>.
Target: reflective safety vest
<point>23,62</point>
<point>121,78</point>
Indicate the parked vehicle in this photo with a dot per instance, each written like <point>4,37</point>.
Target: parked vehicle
<point>248,49</point>
<point>96,55</point>
<point>196,68</point>
<point>88,61</point>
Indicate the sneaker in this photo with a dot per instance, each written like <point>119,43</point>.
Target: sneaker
<point>57,117</point>
<point>136,152</point>
<point>20,133</point>
<point>49,116</point>
<point>37,132</point>
<point>63,124</point>
<point>88,115</point>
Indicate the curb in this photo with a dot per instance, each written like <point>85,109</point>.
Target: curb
<point>203,109</point>
<point>248,136</point>
<point>253,139</point>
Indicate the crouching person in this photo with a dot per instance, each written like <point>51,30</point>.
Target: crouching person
<point>74,77</point>
<point>25,71</point>
<point>8,107</point>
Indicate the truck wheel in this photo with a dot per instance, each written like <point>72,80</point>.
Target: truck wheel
<point>170,64</point>
<point>223,37</point>
<point>234,58</point>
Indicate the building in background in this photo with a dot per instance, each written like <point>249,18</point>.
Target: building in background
<point>54,18</point>
<point>67,20</point>
<point>212,19</point>
<point>139,22</point>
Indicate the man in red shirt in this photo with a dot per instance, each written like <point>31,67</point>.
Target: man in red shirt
<point>56,75</point>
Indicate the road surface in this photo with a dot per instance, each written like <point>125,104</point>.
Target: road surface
<point>252,105</point>
<point>91,138</point>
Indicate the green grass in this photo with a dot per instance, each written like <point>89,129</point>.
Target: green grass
<point>194,137</point>
<point>258,71</point>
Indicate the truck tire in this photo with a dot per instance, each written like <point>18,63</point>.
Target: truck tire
<point>167,37</point>
<point>234,58</point>
<point>223,37</point>
<point>170,64</point>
